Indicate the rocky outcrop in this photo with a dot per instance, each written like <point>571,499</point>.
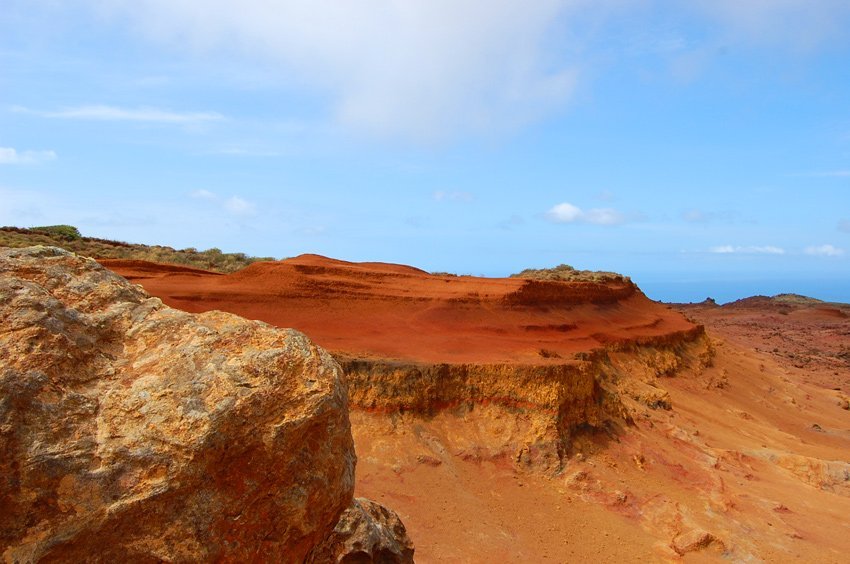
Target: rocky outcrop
<point>366,532</point>
<point>130,431</point>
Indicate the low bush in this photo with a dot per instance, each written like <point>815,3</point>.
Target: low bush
<point>69,237</point>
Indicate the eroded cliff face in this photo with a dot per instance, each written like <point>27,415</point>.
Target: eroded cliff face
<point>134,432</point>
<point>553,358</point>
<point>530,413</point>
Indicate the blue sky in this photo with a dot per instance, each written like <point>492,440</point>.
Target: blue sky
<point>701,147</point>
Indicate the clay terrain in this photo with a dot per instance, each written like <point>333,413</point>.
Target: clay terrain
<point>524,420</point>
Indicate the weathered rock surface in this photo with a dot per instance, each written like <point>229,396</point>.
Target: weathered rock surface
<point>130,431</point>
<point>366,532</point>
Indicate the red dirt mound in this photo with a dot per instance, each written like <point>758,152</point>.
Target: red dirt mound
<point>139,269</point>
<point>378,310</point>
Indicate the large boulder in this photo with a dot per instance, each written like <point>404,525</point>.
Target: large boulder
<point>130,431</point>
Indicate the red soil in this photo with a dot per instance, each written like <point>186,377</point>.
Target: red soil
<point>805,334</point>
<point>378,310</point>
<point>752,460</point>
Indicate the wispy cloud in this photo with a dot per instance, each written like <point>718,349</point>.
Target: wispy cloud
<point>696,215</point>
<point>246,152</point>
<point>747,250</point>
<point>116,113</point>
<point>239,206</point>
<point>203,195</point>
<point>827,174</point>
<point>844,225</point>
<point>511,222</point>
<point>420,70</point>
<point>10,155</point>
<point>824,251</point>
<point>233,205</point>
<point>442,196</point>
<point>802,24</point>
<point>566,212</point>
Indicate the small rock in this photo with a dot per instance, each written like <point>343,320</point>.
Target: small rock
<point>365,532</point>
<point>428,460</point>
<point>695,540</point>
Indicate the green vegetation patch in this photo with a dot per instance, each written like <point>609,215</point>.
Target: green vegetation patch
<point>68,232</point>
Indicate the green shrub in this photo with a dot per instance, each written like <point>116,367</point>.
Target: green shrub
<point>65,231</point>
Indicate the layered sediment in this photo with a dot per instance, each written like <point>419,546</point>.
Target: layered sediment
<point>558,357</point>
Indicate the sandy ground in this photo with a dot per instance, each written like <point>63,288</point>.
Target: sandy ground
<point>751,463</point>
<point>738,456</point>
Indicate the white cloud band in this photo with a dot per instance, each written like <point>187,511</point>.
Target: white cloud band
<point>10,155</point>
<point>747,250</point>
<point>566,212</point>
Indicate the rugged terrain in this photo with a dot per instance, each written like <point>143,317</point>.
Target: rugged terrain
<point>420,344</point>
<point>131,431</point>
<point>797,331</point>
<point>69,237</point>
<point>538,419</point>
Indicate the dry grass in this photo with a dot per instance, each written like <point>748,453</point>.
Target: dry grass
<point>61,236</point>
<point>567,273</point>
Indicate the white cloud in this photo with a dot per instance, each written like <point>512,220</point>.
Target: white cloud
<point>799,23</point>
<point>420,69</point>
<point>566,212</point>
<point>115,113</point>
<point>239,206</point>
<point>9,155</point>
<point>203,195</point>
<point>748,250</point>
<point>824,251</point>
<point>603,216</point>
<point>442,196</point>
<point>233,205</point>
